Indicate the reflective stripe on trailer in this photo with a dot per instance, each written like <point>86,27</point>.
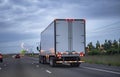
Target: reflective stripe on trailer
<point>69,61</point>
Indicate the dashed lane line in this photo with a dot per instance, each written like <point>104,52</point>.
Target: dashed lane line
<point>48,71</point>
<point>37,66</point>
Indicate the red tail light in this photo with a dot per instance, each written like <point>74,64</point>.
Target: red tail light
<point>59,55</point>
<point>0,56</point>
<point>81,54</point>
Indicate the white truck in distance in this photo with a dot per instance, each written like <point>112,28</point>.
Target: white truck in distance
<point>63,42</point>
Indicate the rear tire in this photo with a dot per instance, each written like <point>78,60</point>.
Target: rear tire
<point>52,62</point>
<point>42,60</point>
<point>1,60</point>
<point>39,59</point>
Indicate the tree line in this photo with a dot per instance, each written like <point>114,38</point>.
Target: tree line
<point>109,47</point>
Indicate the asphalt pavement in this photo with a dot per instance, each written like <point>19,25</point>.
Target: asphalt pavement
<point>29,67</point>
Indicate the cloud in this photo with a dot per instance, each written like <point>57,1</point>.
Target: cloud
<point>94,9</point>
<point>11,36</point>
<point>25,19</point>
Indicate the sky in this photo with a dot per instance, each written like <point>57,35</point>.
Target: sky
<point>21,21</point>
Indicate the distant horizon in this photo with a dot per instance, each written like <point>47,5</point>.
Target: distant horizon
<point>94,44</point>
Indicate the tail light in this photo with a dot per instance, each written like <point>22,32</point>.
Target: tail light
<point>59,55</point>
<point>0,56</point>
<point>81,54</point>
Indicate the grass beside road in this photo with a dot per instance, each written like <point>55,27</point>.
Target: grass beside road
<point>33,55</point>
<point>113,60</point>
<point>7,55</point>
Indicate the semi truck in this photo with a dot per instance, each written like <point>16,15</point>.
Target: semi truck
<point>63,42</point>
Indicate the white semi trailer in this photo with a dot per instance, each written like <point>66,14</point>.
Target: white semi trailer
<point>63,42</point>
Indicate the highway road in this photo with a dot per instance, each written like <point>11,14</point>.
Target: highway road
<point>29,67</point>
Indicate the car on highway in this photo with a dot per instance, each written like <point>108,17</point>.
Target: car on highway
<point>1,58</point>
<point>17,56</point>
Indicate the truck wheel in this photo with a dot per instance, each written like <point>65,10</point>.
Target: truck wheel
<point>52,62</point>
<point>1,60</point>
<point>42,60</point>
<point>39,59</point>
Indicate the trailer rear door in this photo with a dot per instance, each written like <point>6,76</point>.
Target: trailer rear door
<point>70,35</point>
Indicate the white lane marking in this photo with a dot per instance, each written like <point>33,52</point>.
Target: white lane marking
<point>102,70</point>
<point>48,71</point>
<point>37,65</point>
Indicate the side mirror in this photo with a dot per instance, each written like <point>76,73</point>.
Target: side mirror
<point>38,48</point>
